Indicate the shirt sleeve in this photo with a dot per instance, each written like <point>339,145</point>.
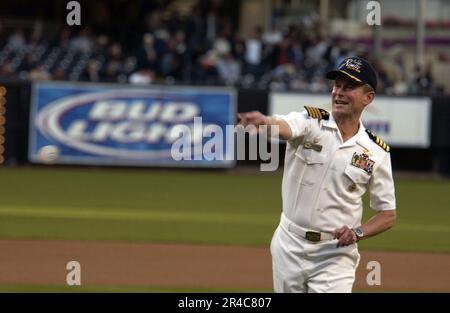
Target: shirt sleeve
<point>297,121</point>
<point>381,187</point>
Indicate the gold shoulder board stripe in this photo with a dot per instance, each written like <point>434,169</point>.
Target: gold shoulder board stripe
<point>314,113</point>
<point>378,141</point>
<point>308,109</point>
<point>317,113</point>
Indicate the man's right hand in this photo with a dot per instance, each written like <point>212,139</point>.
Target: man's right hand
<point>257,119</point>
<point>252,118</point>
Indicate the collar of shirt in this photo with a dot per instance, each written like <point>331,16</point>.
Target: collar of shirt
<point>359,138</point>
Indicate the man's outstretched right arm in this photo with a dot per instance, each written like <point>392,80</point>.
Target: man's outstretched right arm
<point>257,118</point>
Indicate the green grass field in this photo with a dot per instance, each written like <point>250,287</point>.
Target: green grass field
<point>188,207</point>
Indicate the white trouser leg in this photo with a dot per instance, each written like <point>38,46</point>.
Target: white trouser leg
<point>301,266</point>
<point>286,267</point>
<point>335,272</point>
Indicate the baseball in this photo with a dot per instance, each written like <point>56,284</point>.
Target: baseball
<point>48,154</point>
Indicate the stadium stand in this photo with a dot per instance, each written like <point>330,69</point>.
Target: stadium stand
<point>195,42</point>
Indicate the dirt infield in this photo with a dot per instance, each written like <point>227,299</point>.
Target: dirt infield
<point>195,266</point>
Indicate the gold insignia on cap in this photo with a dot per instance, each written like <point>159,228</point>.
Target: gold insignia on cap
<point>353,64</point>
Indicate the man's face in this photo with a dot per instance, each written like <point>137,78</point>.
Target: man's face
<point>349,98</point>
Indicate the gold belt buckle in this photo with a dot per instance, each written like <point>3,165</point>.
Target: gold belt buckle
<point>312,236</point>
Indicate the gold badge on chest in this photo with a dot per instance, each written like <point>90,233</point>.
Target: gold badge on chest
<point>313,146</point>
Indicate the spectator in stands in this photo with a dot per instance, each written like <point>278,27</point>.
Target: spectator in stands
<point>283,53</point>
<point>195,30</point>
<point>400,67</point>
<point>64,38</point>
<point>17,41</point>
<point>299,83</point>
<point>100,45</point>
<point>39,73</point>
<point>298,57</point>
<point>146,55</point>
<point>172,59</point>
<point>316,51</point>
<point>58,74</point>
<point>272,37</point>
<point>212,22</point>
<point>203,49</point>
<point>173,23</point>
<point>143,76</point>
<point>92,72</point>
<point>238,48</point>
<point>427,81</point>
<point>35,39</point>
<point>398,76</point>
<point>222,45</point>
<point>114,66</point>
<point>6,71</point>
<point>82,42</point>
<point>195,34</point>
<point>229,69</point>
<point>28,63</point>
<point>153,21</point>
<point>112,72</point>
<point>254,53</point>
<point>208,67</point>
<point>423,82</point>
<point>319,85</point>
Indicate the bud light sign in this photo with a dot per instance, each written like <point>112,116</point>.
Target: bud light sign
<point>105,124</point>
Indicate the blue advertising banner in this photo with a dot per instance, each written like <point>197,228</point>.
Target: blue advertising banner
<point>110,124</point>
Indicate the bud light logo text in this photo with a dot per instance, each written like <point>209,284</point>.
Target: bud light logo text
<point>117,125</point>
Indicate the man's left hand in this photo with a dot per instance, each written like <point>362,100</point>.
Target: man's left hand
<point>345,235</point>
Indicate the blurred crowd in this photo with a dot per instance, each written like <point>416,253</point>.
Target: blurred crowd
<point>201,49</point>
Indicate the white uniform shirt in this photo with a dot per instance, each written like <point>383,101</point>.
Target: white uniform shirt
<point>322,190</point>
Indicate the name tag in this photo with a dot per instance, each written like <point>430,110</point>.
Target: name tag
<point>313,146</point>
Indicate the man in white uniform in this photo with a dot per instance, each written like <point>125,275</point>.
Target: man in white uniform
<point>331,161</point>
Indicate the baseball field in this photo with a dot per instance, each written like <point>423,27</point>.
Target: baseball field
<point>184,230</point>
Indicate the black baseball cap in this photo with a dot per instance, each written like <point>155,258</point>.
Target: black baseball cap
<point>357,69</point>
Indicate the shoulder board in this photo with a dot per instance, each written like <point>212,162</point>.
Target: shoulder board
<point>318,113</point>
<point>378,141</point>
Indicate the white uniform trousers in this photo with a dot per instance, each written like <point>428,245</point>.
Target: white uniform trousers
<point>300,265</point>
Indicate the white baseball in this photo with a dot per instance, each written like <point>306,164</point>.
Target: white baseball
<point>48,154</point>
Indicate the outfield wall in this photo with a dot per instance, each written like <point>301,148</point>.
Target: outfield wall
<point>417,128</point>
<point>128,125</point>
